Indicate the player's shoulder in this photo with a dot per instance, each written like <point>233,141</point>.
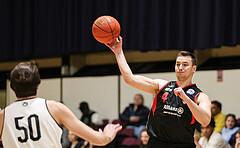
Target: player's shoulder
<point>161,82</point>
<point>56,109</point>
<point>203,95</point>
<point>54,104</point>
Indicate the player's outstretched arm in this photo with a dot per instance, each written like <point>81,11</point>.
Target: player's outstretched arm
<point>140,82</point>
<point>64,115</point>
<point>1,122</point>
<point>202,110</point>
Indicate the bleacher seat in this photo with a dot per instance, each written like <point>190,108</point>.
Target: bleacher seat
<point>131,142</point>
<point>128,132</point>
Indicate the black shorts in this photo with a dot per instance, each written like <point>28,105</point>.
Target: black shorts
<point>155,143</point>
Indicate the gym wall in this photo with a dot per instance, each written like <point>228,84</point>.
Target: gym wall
<point>102,93</point>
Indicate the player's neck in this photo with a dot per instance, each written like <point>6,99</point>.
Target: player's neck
<point>184,83</point>
<point>29,97</point>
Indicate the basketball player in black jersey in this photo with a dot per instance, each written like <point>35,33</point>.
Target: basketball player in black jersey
<point>178,105</point>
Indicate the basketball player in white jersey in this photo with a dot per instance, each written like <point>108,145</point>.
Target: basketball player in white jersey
<point>32,122</point>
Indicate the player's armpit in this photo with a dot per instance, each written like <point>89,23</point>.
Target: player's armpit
<point>146,84</point>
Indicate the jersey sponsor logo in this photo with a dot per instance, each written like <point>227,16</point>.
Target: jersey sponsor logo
<point>168,89</point>
<point>180,110</point>
<point>177,111</point>
<point>190,91</point>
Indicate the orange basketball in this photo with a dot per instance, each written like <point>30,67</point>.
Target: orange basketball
<point>106,29</point>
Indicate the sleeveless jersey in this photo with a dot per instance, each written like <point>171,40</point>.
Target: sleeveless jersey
<point>171,120</point>
<point>29,124</point>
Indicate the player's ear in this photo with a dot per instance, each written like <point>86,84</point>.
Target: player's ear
<point>38,86</point>
<point>194,68</point>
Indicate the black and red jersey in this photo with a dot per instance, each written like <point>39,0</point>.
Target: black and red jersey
<point>170,119</point>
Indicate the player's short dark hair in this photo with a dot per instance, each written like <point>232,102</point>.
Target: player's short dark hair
<point>188,54</point>
<point>218,104</point>
<point>24,79</point>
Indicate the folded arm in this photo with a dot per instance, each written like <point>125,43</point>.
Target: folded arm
<point>200,110</point>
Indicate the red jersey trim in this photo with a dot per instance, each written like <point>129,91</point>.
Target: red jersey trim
<point>187,85</point>
<point>195,100</point>
<point>155,99</point>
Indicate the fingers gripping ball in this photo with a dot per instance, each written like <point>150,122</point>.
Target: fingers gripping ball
<point>106,29</point>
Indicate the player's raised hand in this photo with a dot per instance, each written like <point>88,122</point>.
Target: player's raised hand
<point>111,130</point>
<point>116,46</point>
<point>179,92</point>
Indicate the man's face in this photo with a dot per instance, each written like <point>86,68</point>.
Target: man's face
<point>214,109</point>
<point>207,131</point>
<point>184,68</point>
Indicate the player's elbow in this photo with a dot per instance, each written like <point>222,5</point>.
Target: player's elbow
<point>128,77</point>
<point>128,80</point>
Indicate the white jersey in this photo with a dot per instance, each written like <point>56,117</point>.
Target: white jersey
<point>29,124</point>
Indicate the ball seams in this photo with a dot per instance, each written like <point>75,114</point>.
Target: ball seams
<point>109,26</point>
<point>101,28</point>
<point>105,29</point>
